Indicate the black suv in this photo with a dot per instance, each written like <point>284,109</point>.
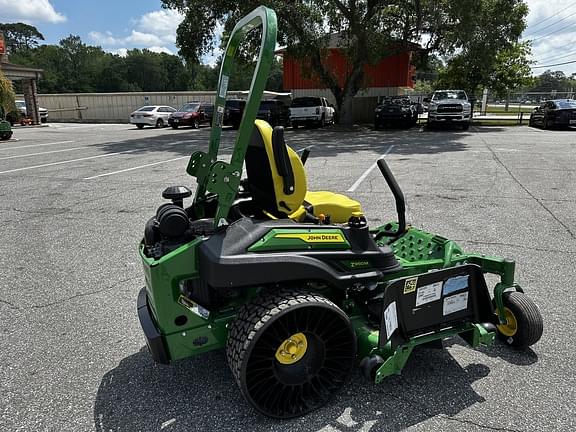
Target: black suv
<point>394,111</point>
<point>275,112</point>
<point>233,112</point>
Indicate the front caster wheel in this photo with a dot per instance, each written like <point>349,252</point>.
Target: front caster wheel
<point>290,351</point>
<point>524,324</point>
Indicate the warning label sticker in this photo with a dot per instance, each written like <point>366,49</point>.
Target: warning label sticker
<point>390,319</point>
<point>223,86</point>
<point>455,284</point>
<point>455,303</point>
<point>429,293</point>
<point>410,285</point>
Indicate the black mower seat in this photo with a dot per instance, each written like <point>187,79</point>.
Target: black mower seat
<point>278,181</point>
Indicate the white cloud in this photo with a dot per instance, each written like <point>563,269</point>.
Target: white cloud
<point>152,31</point>
<point>552,29</point>
<point>160,49</point>
<point>136,39</point>
<point>122,52</point>
<point>162,23</point>
<point>143,39</point>
<point>33,11</point>
<point>103,38</point>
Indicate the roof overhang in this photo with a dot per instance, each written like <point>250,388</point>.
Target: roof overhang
<point>16,72</point>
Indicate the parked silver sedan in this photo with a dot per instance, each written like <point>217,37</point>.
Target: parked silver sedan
<point>151,115</point>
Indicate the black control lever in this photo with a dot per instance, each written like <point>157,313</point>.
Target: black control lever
<point>398,197</point>
<point>304,156</point>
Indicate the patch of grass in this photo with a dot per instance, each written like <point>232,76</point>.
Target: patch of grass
<point>511,110</point>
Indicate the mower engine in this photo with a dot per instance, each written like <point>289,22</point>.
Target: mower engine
<point>172,225</point>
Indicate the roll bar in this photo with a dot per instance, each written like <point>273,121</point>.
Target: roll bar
<point>211,174</point>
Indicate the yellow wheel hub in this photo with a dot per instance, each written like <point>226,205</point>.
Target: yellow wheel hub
<point>511,327</point>
<point>292,349</point>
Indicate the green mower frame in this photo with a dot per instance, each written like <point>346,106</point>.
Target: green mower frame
<point>297,303</point>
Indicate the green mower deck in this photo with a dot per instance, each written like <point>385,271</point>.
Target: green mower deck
<point>296,300</point>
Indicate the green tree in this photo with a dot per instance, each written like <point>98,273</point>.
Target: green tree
<point>7,96</point>
<point>79,63</point>
<point>20,36</point>
<point>511,70</point>
<point>48,58</point>
<point>488,42</point>
<point>366,31</point>
<point>111,74</point>
<point>73,66</point>
<point>423,87</point>
<point>144,71</point>
<point>178,76</point>
<point>203,77</point>
<point>553,80</point>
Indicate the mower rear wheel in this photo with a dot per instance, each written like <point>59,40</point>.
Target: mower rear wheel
<point>524,324</point>
<point>290,351</point>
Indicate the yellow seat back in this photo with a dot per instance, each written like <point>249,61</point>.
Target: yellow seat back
<point>267,185</point>
<point>271,191</point>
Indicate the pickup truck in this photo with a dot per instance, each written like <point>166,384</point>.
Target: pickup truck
<point>449,106</point>
<point>311,111</point>
<point>21,105</point>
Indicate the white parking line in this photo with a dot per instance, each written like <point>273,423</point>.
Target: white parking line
<point>151,164</point>
<point>368,171</point>
<point>66,161</point>
<point>42,153</point>
<point>304,148</point>
<point>135,168</point>
<point>35,145</point>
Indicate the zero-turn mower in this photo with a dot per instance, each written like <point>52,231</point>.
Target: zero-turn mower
<point>293,283</point>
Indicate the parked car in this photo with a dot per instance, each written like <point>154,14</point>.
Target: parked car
<point>311,111</point>
<point>14,117</point>
<point>191,114</point>
<point>449,106</point>
<point>233,112</point>
<point>151,115</point>
<point>275,112</point>
<point>396,111</point>
<point>552,113</point>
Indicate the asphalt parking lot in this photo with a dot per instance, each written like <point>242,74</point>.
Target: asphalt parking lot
<point>74,200</point>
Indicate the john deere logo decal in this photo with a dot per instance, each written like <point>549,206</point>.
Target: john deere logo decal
<point>313,238</point>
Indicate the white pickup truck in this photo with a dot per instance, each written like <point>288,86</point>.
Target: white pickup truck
<point>311,110</point>
<point>449,106</point>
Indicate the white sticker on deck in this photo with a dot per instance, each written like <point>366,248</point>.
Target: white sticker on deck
<point>455,303</point>
<point>429,293</point>
<point>390,319</point>
<point>223,86</point>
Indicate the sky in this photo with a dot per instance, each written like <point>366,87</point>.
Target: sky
<point>115,25</point>
<point>120,25</point>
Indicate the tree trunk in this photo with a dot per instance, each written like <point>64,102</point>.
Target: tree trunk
<point>343,96</point>
<point>350,90</point>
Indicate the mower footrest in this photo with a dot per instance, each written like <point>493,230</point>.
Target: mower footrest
<point>474,334</point>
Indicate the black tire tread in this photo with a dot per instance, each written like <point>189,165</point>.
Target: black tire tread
<point>253,315</point>
<point>530,324</point>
